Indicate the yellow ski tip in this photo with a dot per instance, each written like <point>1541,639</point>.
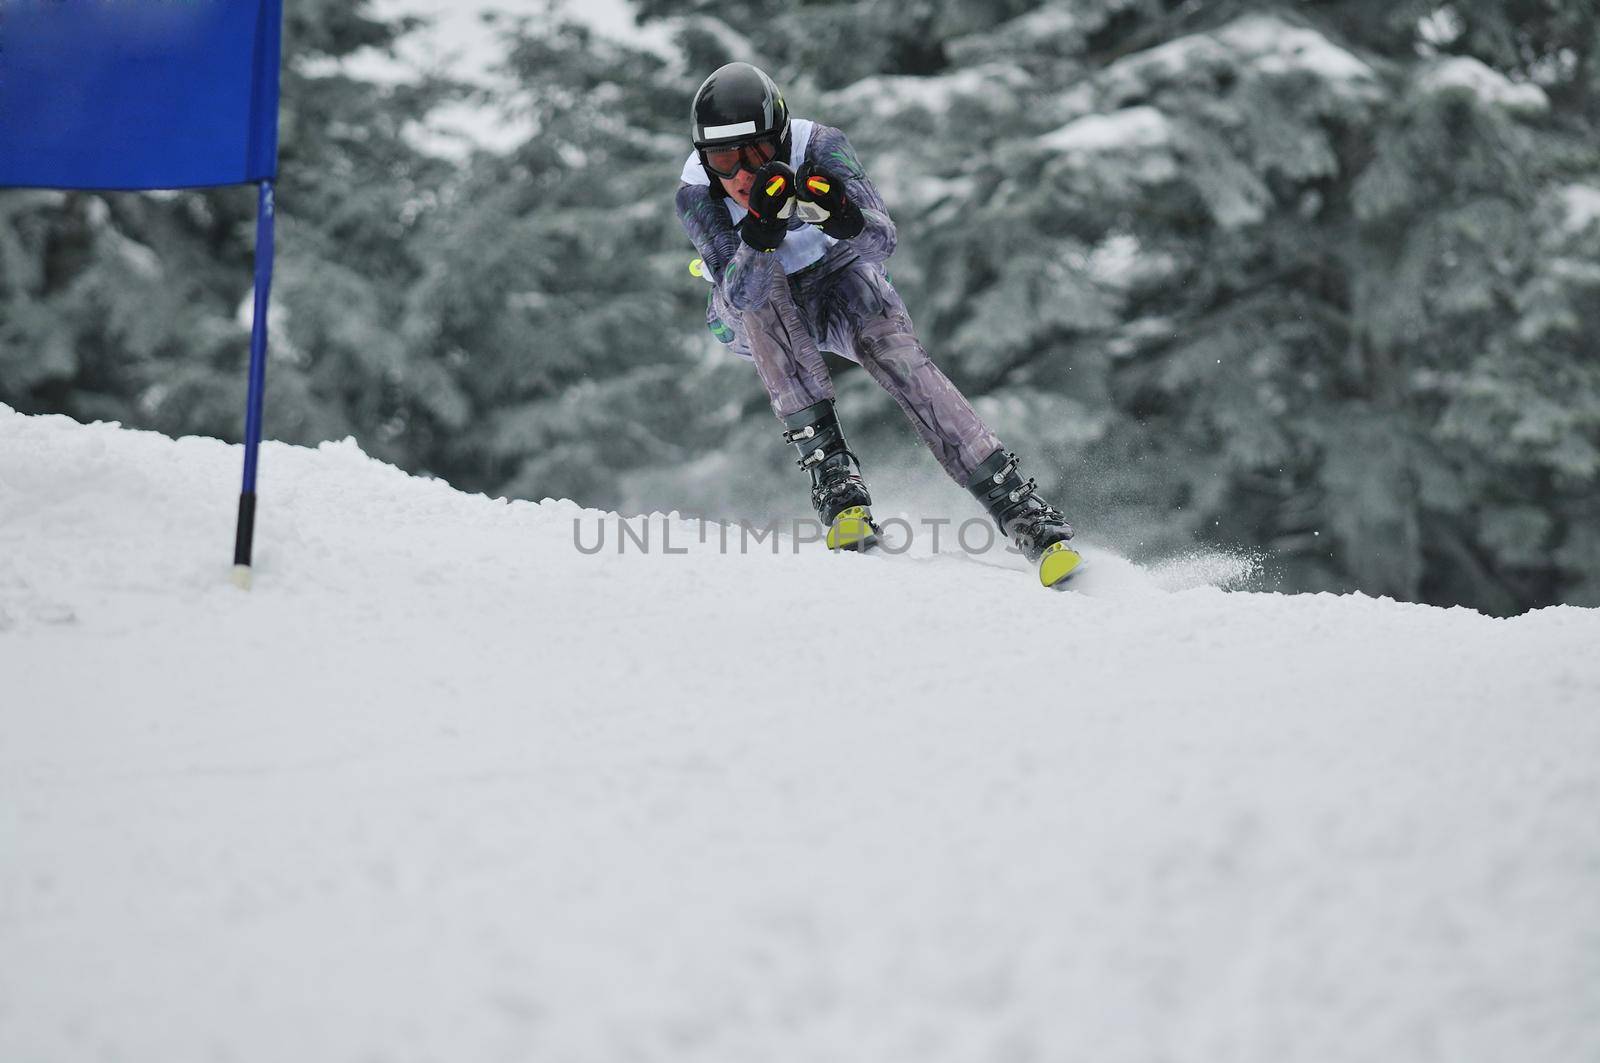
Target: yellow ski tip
<point>852,530</point>
<point>1058,561</point>
<point>697,267</point>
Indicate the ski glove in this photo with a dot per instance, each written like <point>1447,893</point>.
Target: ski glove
<point>825,189</point>
<point>763,228</point>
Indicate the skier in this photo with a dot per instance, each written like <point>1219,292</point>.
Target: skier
<point>793,237</point>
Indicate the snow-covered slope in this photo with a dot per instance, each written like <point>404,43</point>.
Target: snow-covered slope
<point>442,787</point>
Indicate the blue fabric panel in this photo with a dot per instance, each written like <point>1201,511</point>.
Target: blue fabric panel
<point>138,94</point>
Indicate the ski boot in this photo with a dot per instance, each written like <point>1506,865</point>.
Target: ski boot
<point>837,492</point>
<point>1037,528</point>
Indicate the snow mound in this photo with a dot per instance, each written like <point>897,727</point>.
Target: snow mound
<point>447,786</point>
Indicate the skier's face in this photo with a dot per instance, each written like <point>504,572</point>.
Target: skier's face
<point>742,160</point>
<point>738,187</point>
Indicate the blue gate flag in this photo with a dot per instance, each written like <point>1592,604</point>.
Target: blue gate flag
<point>138,94</point>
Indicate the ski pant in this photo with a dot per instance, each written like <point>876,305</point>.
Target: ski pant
<point>853,311</point>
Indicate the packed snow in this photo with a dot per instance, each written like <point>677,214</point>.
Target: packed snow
<point>444,787</point>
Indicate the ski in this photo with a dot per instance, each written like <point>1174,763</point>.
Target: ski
<point>1058,564</point>
<point>853,529</point>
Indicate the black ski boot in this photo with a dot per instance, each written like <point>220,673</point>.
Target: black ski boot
<point>837,492</point>
<point>1036,527</point>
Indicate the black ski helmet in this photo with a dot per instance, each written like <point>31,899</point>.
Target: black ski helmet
<point>737,104</point>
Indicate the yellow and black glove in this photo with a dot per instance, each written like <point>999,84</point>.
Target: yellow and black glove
<point>813,184</point>
<point>767,222</point>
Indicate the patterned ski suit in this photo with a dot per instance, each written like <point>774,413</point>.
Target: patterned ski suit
<point>815,293</point>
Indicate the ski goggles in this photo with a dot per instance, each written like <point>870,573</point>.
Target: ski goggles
<point>728,161</point>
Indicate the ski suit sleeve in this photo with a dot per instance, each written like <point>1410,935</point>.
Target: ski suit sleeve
<point>830,150</point>
<point>740,273</point>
